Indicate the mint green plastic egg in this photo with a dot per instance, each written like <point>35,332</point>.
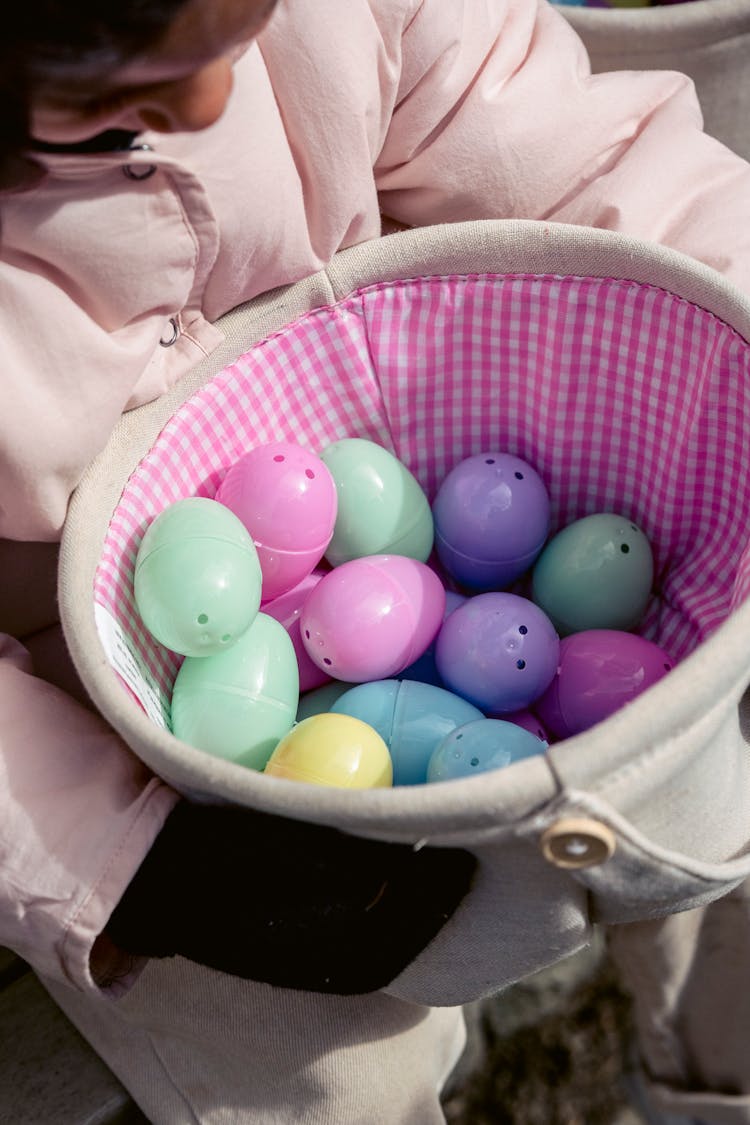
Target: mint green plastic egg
<point>382,509</point>
<point>197,581</point>
<point>239,703</point>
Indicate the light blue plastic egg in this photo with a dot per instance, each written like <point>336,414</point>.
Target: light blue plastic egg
<point>411,718</point>
<point>239,703</point>
<point>476,747</point>
<point>382,509</point>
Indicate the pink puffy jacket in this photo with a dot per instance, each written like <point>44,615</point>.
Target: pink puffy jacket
<point>113,268</point>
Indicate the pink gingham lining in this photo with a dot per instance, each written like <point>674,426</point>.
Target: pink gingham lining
<point>624,397</point>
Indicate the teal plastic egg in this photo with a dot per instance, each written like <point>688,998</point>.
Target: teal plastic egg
<point>319,700</point>
<point>411,717</point>
<point>596,573</point>
<point>382,508</point>
<point>197,581</point>
<point>239,703</point>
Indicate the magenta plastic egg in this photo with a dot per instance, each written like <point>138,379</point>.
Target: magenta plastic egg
<point>600,670</point>
<point>497,650</point>
<point>528,720</point>
<point>286,498</point>
<point>370,618</point>
<point>491,515</point>
<point>287,609</point>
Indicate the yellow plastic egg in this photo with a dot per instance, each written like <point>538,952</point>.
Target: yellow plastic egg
<point>332,749</point>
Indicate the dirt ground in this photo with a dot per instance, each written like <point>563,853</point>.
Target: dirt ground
<point>555,1049</point>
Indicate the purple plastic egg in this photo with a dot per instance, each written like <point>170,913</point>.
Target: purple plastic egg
<point>497,650</point>
<point>600,670</point>
<point>492,516</point>
<point>371,617</point>
<point>286,498</point>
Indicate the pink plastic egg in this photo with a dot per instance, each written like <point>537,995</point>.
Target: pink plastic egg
<point>371,617</point>
<point>287,609</point>
<point>286,498</point>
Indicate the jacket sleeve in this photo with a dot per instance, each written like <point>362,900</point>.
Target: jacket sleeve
<point>497,115</point>
<point>78,814</point>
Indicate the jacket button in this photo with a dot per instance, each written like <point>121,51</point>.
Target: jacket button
<point>577,842</point>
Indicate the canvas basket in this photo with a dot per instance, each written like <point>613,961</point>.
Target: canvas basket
<point>707,39</point>
<point>621,371</point>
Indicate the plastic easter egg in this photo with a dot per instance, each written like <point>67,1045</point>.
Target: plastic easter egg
<point>424,668</point>
<point>491,517</point>
<point>370,618</point>
<point>238,703</point>
<point>479,746</point>
<point>197,581</point>
<point>600,670</point>
<point>333,750</point>
<point>321,699</point>
<point>411,718</point>
<point>286,498</point>
<point>528,720</point>
<point>382,509</point>
<point>596,573</point>
<point>497,650</point>
<point>287,609</point>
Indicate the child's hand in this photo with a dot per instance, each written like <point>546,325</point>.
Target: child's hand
<point>286,902</point>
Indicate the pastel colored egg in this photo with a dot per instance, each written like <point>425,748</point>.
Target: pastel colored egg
<point>528,720</point>
<point>197,580</point>
<point>286,498</point>
<point>491,514</point>
<point>411,717</point>
<point>382,508</point>
<point>238,703</point>
<point>424,667</point>
<point>287,609</point>
<point>479,746</point>
<point>600,670</point>
<point>321,699</point>
<point>498,650</point>
<point>335,750</point>
<point>596,573</point>
<point>370,618</point>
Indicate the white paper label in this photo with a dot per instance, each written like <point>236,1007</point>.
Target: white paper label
<point>127,662</point>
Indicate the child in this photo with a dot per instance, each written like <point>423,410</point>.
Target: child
<point>162,164</point>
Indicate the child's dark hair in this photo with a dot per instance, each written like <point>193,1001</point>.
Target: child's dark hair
<point>48,39</point>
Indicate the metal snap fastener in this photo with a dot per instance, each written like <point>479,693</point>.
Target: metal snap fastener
<point>167,341</point>
<point>577,842</point>
<point>139,171</point>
